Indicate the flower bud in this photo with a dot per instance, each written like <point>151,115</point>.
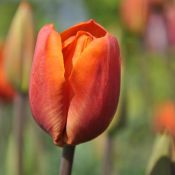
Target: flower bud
<point>134,15</point>
<point>159,42</point>
<point>165,118</point>
<point>19,48</point>
<point>75,82</point>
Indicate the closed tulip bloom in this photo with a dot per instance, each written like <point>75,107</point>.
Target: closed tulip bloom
<point>19,48</point>
<point>134,14</point>
<point>159,42</point>
<point>165,118</point>
<point>75,82</point>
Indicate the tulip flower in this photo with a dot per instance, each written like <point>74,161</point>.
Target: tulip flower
<point>165,118</point>
<point>75,82</point>
<point>134,14</point>
<point>6,91</point>
<point>159,42</point>
<point>162,157</point>
<point>19,48</point>
<point>18,60</point>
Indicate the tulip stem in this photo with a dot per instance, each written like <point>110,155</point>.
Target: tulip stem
<point>67,160</point>
<point>19,125</point>
<point>107,163</point>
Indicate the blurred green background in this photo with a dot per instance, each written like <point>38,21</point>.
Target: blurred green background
<point>147,80</point>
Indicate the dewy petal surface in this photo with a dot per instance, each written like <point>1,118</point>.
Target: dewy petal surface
<point>95,81</point>
<point>48,98</point>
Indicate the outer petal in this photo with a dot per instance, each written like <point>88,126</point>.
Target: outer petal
<point>90,26</point>
<point>95,80</point>
<point>48,98</point>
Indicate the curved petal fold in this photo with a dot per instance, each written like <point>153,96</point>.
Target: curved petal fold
<point>95,81</point>
<point>90,26</point>
<point>48,97</point>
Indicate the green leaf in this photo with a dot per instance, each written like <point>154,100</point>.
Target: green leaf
<point>160,161</point>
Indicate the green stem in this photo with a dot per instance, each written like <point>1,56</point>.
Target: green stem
<point>67,160</point>
<point>107,163</point>
<point>19,125</point>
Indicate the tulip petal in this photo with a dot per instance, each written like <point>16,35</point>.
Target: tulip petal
<point>48,97</point>
<point>90,26</point>
<point>73,50</point>
<point>95,81</point>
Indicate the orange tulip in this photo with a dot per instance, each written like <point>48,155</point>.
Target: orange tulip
<point>75,82</point>
<point>165,118</point>
<point>134,14</point>
<point>6,91</point>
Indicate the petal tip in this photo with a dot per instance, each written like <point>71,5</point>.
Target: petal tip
<point>92,21</point>
<point>25,4</point>
<point>46,29</point>
<point>49,26</point>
